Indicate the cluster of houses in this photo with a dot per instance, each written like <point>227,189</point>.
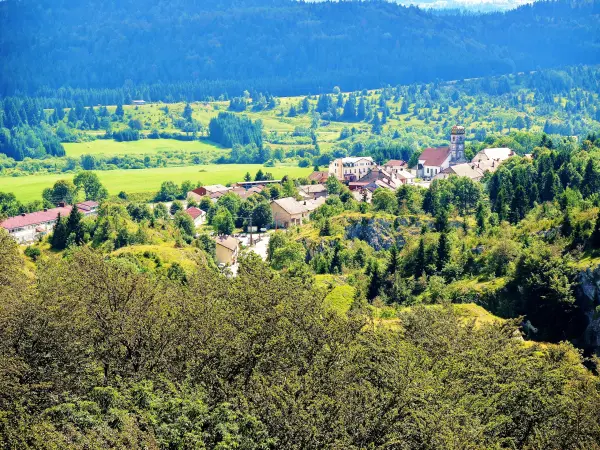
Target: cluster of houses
<point>361,174</point>
<point>29,227</point>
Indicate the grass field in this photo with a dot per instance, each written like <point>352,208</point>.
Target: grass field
<point>147,180</point>
<point>110,147</point>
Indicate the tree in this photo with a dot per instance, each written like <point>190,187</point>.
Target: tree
<point>90,183</point>
<point>184,222</point>
<point>262,215</point>
<point>420,259</point>
<point>74,226</point>
<point>443,250</point>
<point>247,177</point>
<point>161,211</point>
<point>223,222</point>
<point>187,112</point>
<point>60,233</point>
<point>333,185</point>
<point>441,220</point>
<point>519,204</point>
<point>384,200</point>
<point>119,111</point>
<point>168,192</point>
<point>481,218</point>
<point>591,179</point>
<point>176,206</point>
<point>62,191</point>
<point>326,228</point>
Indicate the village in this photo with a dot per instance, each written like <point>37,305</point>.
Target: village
<point>361,174</point>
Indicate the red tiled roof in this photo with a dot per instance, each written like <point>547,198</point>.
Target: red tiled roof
<point>319,176</point>
<point>435,156</point>
<point>194,212</point>
<point>395,162</point>
<point>35,218</point>
<point>87,205</point>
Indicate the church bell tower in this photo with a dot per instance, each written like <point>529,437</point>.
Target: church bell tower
<point>457,144</point>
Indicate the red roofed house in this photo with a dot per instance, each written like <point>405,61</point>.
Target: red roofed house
<point>318,177</point>
<point>395,165</point>
<point>26,228</point>
<point>432,161</point>
<point>212,191</point>
<point>197,215</point>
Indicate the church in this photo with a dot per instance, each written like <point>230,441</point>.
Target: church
<point>434,160</point>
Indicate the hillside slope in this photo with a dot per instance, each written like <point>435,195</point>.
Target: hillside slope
<point>279,46</point>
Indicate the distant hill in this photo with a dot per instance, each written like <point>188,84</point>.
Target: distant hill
<point>463,5</point>
<point>278,46</point>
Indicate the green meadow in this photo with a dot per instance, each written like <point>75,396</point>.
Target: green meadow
<point>109,147</point>
<point>147,180</point>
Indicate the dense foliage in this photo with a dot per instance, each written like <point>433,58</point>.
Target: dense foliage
<point>178,50</point>
<point>101,352</point>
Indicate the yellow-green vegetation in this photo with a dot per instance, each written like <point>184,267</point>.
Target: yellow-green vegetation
<point>110,147</point>
<point>165,254</point>
<point>147,180</point>
<point>340,294</point>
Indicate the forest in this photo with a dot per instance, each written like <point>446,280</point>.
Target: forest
<point>176,50</point>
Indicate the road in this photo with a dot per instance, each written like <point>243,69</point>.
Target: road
<point>260,247</point>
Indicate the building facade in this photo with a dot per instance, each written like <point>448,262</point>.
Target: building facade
<point>351,168</point>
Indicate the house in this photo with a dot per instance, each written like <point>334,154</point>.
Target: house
<point>313,191</point>
<point>88,208</point>
<point>493,154</point>
<point>351,168</point>
<point>318,177</point>
<point>139,102</point>
<point>379,177</point>
<point>469,170</point>
<point>197,215</point>
<point>207,191</point>
<point>27,228</point>
<point>313,204</point>
<point>251,184</point>
<point>432,161</point>
<point>288,212</point>
<point>395,165</point>
<point>405,176</point>
<point>227,249</point>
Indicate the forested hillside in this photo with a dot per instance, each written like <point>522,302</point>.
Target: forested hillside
<point>277,46</point>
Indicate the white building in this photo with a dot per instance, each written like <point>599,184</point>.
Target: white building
<point>351,168</point>
<point>433,161</point>
<point>27,228</point>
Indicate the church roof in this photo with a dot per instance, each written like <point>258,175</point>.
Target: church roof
<point>434,157</point>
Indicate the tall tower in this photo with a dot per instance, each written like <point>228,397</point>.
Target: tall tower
<point>457,144</point>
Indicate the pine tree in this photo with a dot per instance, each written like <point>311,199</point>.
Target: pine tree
<point>518,207</point>
<point>362,109</point>
<point>60,234</point>
<point>120,112</point>
<point>187,112</point>
<point>420,260</point>
<point>443,250</point>
<point>591,180</point>
<point>566,228</point>
<point>74,228</point>
<point>394,263</point>
<point>375,282</point>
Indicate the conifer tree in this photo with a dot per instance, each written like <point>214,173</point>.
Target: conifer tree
<point>443,250</point>
<point>60,234</point>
